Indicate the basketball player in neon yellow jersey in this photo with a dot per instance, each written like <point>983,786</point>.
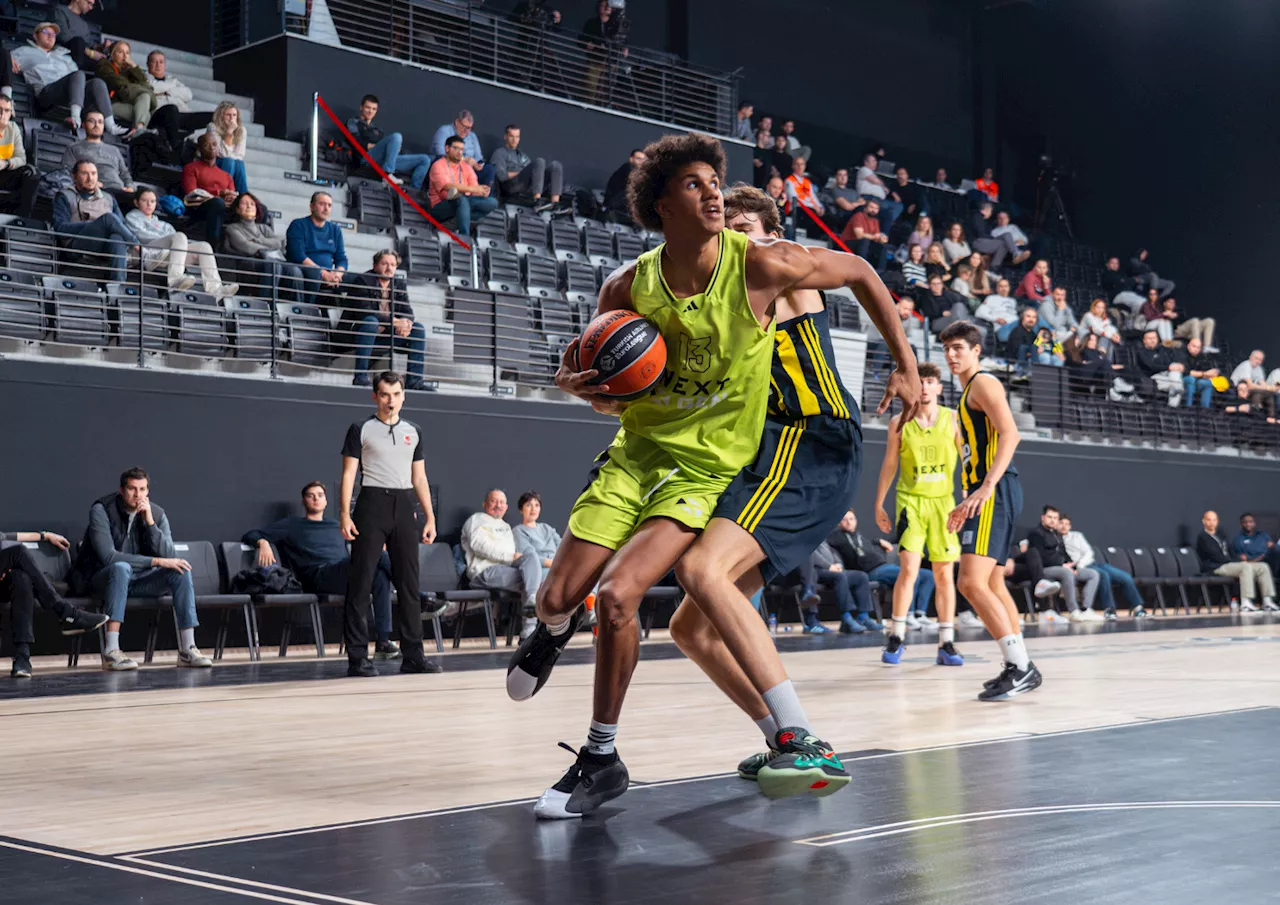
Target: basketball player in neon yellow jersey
<point>927,448</point>
<point>711,294</point>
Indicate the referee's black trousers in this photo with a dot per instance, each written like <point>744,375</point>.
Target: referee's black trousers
<point>388,517</point>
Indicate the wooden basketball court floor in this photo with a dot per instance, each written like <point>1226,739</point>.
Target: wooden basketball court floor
<point>1145,770</point>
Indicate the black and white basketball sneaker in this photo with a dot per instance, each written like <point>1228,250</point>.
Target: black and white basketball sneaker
<point>590,782</point>
<point>1011,683</point>
<point>531,665</point>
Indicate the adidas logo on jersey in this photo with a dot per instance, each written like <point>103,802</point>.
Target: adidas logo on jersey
<point>692,306</point>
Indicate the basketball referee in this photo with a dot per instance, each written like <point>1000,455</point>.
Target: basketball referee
<point>388,452</point>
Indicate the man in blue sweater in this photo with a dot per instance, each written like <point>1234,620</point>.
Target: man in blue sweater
<point>313,547</point>
<point>315,244</point>
<point>1253,545</point>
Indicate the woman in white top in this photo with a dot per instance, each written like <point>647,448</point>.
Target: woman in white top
<point>232,137</point>
<point>1097,323</point>
<point>162,244</point>
<point>922,235</point>
<point>954,244</point>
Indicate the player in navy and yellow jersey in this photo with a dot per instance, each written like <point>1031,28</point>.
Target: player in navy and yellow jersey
<point>927,448</point>
<point>627,530</point>
<point>987,518</point>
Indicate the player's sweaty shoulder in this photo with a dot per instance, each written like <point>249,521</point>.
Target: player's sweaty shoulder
<point>984,394</point>
<point>615,293</point>
<point>776,264</point>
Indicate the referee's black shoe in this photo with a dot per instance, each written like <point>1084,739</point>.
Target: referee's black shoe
<point>361,668</point>
<point>531,666</point>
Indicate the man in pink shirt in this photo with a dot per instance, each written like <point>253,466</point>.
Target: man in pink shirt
<point>453,190</point>
<point>1036,284</point>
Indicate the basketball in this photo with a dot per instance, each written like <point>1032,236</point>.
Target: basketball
<point>627,350</point>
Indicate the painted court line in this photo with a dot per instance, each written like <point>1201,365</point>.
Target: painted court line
<point>130,869</point>
<point>930,823</point>
<point>135,859</point>
<point>376,821</point>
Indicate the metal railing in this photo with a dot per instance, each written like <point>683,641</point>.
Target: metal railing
<point>465,38</point>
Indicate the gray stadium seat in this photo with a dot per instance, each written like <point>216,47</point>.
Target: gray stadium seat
<point>251,326</point>
<point>423,259</point>
<point>307,331</point>
<point>503,270</point>
<point>598,244</point>
<point>566,240</point>
<point>438,579</point>
<point>124,310</point>
<point>22,313</point>
<point>78,310</point>
<point>28,245</point>
<point>237,558</point>
<point>531,235</point>
<point>201,324</point>
<point>542,276</point>
<point>1189,569</point>
<point>627,246</point>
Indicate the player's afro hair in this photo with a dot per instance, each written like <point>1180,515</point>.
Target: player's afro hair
<point>663,159</point>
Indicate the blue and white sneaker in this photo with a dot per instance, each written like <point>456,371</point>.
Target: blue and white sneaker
<point>892,653</point>
<point>868,622</point>
<point>949,656</point>
<point>816,628</point>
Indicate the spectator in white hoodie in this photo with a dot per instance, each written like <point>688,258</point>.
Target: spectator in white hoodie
<point>1000,310</point>
<point>163,246</point>
<point>492,559</point>
<point>171,91</point>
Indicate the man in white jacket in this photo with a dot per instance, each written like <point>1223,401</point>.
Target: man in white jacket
<point>492,560</point>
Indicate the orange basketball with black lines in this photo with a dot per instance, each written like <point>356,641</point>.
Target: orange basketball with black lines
<point>627,350</point>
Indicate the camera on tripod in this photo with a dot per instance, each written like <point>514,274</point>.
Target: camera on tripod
<point>536,14</point>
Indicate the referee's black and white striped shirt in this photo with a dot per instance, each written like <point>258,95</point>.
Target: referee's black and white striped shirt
<point>386,452</point>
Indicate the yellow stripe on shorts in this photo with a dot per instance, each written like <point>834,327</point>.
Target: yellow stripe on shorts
<point>984,526</point>
<point>779,483</point>
<point>778,470</point>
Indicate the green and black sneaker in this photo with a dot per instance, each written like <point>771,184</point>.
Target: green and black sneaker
<point>802,764</point>
<point>750,768</point>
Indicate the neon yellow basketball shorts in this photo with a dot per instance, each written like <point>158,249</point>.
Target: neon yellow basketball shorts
<point>922,520</point>
<point>637,480</point>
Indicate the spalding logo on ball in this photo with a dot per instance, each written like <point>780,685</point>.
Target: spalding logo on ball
<point>627,350</point>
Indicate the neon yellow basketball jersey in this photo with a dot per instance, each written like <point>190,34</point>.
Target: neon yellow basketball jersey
<point>927,461</point>
<point>708,408</point>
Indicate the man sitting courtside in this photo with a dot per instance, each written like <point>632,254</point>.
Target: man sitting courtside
<point>315,551</point>
<point>1254,545</point>
<point>1081,553</point>
<point>1216,559</point>
<point>492,559</point>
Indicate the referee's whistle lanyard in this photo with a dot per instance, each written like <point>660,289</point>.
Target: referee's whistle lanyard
<point>391,429</point>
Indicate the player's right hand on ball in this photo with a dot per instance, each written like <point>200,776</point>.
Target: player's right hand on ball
<point>575,382</point>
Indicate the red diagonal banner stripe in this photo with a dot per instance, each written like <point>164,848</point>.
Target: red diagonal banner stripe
<point>826,229</point>
<point>377,169</point>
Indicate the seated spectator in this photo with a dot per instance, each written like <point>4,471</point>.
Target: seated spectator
<point>15,173</point>
<point>1057,314</point>
<point>1020,342</point>
<point>864,236</point>
<point>1201,328</point>
<point>781,163</point>
<point>92,218</point>
<point>232,138</point>
<point>1216,559</point>
<point>794,146</point>
<point>942,306</point>
<point>1251,385</point>
<point>742,124</point>
<point>208,189</point>
<point>1097,323</point>
<point>762,160</point>
<point>841,200</point>
<point>1005,225</point>
<point>1199,371</point>
<point>1080,554</point>
<point>162,246</point>
<point>22,585</point>
<point>251,235</point>
<point>986,183</point>
<point>1036,283</point>
<point>907,193</point>
<point>872,187</point>
<point>982,284</point>
<point>912,325</point>
<point>385,148</point>
<point>800,188</point>
<point>1094,369</point>
<point>519,174</point>
<point>940,181</point>
<point>453,192</point>
<point>777,190</point>
<point>962,282</point>
<point>615,193</point>
<point>765,125</point>
<point>856,554</point>
<point>1157,317</point>
<point>55,78</point>
<point>914,273</point>
<point>922,235</point>
<point>1254,546</point>
<point>955,245</point>
<point>1000,310</point>
<point>999,248</point>
<point>383,310</point>
<point>132,97</point>
<point>113,172</point>
<point>1046,539</point>
<point>1157,372</point>
<point>1121,289</point>
<point>171,92</point>
<point>493,561</point>
<point>128,552</point>
<point>314,549</point>
<point>463,128</point>
<point>539,541</point>
<point>1145,277</point>
<point>935,262</point>
<point>316,245</point>
<point>75,34</point>
<point>852,589</point>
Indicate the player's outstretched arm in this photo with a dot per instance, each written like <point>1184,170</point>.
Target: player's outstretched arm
<point>615,295</point>
<point>888,470</point>
<point>987,395</point>
<point>785,265</point>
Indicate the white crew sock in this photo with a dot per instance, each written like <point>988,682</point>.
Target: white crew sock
<point>946,633</point>
<point>113,641</point>
<point>600,737</point>
<point>76,111</point>
<point>784,706</point>
<point>899,627</point>
<point>1014,651</point>
<point>769,726</point>
<point>187,638</point>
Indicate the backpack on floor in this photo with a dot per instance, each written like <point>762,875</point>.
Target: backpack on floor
<point>274,579</point>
